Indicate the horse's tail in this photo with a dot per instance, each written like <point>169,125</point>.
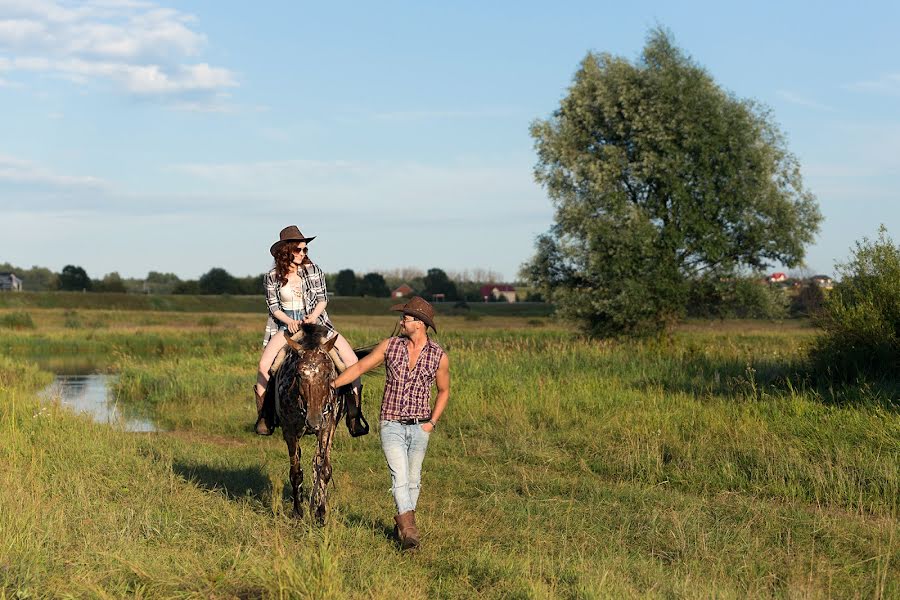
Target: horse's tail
<point>363,351</point>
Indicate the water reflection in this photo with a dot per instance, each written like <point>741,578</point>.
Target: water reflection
<point>90,394</point>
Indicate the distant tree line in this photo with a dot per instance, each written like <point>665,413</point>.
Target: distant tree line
<point>462,286</point>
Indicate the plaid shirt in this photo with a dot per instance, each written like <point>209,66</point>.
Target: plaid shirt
<point>312,283</point>
<point>407,393</point>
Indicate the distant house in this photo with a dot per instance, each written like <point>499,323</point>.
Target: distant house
<point>777,278</point>
<point>402,291</point>
<point>10,283</point>
<point>823,281</point>
<point>497,291</point>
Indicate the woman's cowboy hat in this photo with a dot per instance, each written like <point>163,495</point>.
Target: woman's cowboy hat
<point>418,308</point>
<point>290,233</point>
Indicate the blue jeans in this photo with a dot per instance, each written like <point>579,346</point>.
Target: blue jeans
<point>404,448</point>
<point>297,315</point>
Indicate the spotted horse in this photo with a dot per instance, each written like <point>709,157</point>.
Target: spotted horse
<point>307,405</point>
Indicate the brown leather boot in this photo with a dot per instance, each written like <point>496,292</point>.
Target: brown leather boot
<point>262,427</point>
<point>409,533</point>
<point>356,422</point>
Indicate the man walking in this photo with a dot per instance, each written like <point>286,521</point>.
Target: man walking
<point>413,363</point>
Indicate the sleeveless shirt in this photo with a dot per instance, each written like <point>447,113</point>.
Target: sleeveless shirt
<point>407,392</point>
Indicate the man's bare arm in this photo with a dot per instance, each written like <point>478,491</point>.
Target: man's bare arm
<point>442,381</point>
<point>375,358</point>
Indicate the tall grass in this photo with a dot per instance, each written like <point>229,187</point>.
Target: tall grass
<point>696,467</point>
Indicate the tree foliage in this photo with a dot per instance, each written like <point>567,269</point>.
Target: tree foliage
<point>658,177</point>
<point>373,284</point>
<point>748,297</point>
<point>437,282</point>
<point>218,281</point>
<point>111,282</point>
<point>345,283</point>
<point>75,279</point>
<point>35,279</point>
<point>861,315</point>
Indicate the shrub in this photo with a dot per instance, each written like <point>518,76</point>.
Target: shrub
<point>17,320</point>
<point>72,319</point>
<point>809,302</point>
<point>736,298</point>
<point>861,315</point>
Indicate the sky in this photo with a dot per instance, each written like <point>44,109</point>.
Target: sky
<point>141,136</point>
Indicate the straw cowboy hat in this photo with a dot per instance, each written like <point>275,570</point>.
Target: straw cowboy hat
<point>418,308</point>
<point>290,233</point>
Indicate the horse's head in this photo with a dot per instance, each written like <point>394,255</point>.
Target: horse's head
<point>315,370</point>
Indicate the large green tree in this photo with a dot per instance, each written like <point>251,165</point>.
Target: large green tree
<point>437,282</point>
<point>346,283</point>
<point>74,279</point>
<point>373,284</point>
<point>658,177</point>
<point>218,281</point>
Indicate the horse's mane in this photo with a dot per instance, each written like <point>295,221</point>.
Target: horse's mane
<point>313,333</point>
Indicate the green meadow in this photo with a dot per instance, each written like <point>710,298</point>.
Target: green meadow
<point>704,465</point>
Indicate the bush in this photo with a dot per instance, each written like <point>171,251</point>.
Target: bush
<point>809,302</point>
<point>17,320</point>
<point>861,315</point>
<point>736,298</point>
<point>72,319</point>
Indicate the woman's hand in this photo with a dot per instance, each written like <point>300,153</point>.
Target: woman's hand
<point>293,325</point>
<point>310,320</point>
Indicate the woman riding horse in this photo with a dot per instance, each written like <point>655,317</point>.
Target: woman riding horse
<point>296,294</point>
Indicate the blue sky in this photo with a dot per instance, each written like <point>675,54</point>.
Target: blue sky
<point>138,136</point>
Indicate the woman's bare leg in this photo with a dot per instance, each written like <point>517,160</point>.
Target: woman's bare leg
<point>265,362</point>
<point>347,355</point>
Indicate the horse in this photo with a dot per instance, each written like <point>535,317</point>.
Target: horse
<point>306,404</point>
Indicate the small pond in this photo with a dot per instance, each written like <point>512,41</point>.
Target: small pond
<point>91,394</point>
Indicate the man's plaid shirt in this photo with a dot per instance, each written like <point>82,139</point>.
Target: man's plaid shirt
<point>407,393</point>
<point>312,282</point>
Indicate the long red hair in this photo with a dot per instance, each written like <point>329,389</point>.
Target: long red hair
<point>284,258</point>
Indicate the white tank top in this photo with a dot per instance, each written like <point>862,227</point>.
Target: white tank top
<point>291,297</point>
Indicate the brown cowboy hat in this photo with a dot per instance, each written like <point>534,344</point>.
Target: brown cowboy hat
<point>418,308</point>
<point>291,233</point>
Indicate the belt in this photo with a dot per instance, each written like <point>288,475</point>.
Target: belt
<point>413,421</point>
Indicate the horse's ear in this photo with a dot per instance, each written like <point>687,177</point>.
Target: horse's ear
<point>329,344</point>
<point>290,342</point>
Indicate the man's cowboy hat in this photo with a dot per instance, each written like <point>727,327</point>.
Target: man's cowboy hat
<point>418,308</point>
<point>290,233</point>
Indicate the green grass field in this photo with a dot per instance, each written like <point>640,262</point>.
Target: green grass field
<point>699,466</point>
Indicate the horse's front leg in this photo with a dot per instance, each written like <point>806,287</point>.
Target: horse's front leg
<point>322,468</point>
<point>293,444</point>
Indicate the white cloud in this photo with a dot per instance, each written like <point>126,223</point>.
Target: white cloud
<point>886,84</point>
<point>23,172</point>
<point>379,189</point>
<point>139,47</point>
<point>799,100</point>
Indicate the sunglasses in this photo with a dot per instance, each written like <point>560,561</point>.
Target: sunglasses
<point>408,319</point>
<point>303,250</point>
